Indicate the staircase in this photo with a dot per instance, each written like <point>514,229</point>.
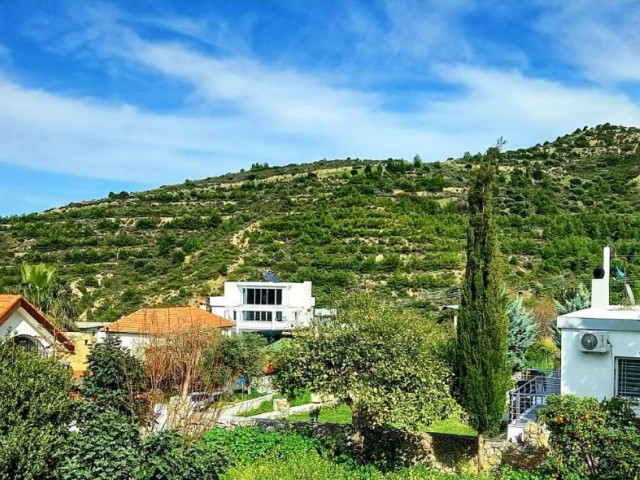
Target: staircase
<point>529,397</point>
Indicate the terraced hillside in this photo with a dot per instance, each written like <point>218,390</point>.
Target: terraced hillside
<point>394,227</point>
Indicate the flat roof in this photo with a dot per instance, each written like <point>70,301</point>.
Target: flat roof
<point>613,312</point>
<point>613,317</point>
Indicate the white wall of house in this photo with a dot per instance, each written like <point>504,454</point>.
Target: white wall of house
<point>596,374</point>
<point>610,373</point>
<point>21,323</point>
<point>293,306</point>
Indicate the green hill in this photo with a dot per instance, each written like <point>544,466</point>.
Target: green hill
<point>394,227</point>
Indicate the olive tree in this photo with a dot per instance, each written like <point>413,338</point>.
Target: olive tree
<point>382,362</point>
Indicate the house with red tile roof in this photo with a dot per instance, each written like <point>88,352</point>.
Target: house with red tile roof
<point>27,326</point>
<point>135,328</point>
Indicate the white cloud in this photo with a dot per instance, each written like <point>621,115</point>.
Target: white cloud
<point>243,110</point>
<point>601,38</point>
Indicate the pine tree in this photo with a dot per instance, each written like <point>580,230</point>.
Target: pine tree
<point>522,333</point>
<point>570,303</point>
<point>482,366</point>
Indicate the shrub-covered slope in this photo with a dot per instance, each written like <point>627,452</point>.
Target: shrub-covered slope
<point>394,227</point>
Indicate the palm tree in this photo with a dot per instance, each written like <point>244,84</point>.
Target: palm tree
<point>40,286</point>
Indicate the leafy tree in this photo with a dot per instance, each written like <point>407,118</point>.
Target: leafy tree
<point>523,331</point>
<point>591,439</point>
<point>115,379</point>
<point>482,365</point>
<point>382,362</point>
<point>35,413</point>
<point>39,285</point>
<point>237,355</point>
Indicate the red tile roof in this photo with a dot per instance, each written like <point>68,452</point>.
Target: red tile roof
<point>9,304</point>
<point>167,319</point>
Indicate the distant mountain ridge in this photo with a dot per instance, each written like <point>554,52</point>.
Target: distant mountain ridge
<point>396,227</point>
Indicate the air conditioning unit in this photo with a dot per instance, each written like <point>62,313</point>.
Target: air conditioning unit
<point>594,342</point>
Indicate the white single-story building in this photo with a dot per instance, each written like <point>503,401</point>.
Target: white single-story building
<point>135,329</point>
<point>265,306</point>
<point>25,325</point>
<point>601,345</point>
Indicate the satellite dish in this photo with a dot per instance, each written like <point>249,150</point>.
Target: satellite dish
<point>632,299</point>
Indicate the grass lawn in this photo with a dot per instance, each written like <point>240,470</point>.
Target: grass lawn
<point>342,414</point>
<point>267,405</point>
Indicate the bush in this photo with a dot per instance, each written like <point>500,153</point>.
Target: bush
<point>591,439</point>
<point>542,355</point>
<point>248,444</point>
<point>35,412</point>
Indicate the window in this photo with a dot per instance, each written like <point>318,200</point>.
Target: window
<point>628,377</point>
<point>257,316</point>
<point>278,316</point>
<point>262,296</point>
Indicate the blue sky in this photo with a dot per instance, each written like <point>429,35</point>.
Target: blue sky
<point>128,95</point>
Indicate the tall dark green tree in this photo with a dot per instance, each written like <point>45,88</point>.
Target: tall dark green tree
<point>115,379</point>
<point>482,366</point>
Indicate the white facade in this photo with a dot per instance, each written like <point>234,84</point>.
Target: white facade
<point>616,369</point>
<point>595,374</point>
<point>21,323</point>
<point>265,306</point>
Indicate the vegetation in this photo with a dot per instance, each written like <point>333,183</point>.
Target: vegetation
<point>35,412</point>
<point>383,363</point>
<point>482,366</point>
<point>394,228</point>
<point>591,439</point>
<point>115,379</point>
<point>522,333</point>
<point>40,285</point>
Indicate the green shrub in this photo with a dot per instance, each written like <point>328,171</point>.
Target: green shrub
<point>248,444</point>
<point>591,439</point>
<point>35,411</point>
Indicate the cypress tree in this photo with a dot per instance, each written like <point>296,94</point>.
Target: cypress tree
<point>482,365</point>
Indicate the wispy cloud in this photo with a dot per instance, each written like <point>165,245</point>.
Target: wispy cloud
<point>600,38</point>
<point>241,108</point>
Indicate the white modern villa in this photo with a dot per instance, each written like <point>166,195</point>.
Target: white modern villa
<point>265,306</point>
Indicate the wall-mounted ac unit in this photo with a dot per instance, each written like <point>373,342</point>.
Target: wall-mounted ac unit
<point>594,342</point>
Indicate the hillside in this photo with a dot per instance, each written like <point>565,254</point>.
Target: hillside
<point>394,227</point>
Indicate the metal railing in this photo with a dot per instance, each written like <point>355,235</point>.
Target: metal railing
<point>531,395</point>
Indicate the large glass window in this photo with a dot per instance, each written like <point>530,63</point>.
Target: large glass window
<point>628,377</point>
<point>262,296</point>
<point>249,316</point>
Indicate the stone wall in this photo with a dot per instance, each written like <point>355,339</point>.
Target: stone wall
<point>443,451</point>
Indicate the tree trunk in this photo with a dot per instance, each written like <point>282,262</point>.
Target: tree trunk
<point>481,459</point>
<point>358,436</point>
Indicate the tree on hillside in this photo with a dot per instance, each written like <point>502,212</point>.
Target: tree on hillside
<point>383,363</point>
<point>35,413</point>
<point>523,331</point>
<point>39,284</point>
<point>482,366</point>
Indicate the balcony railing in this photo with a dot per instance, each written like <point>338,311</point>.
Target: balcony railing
<point>532,395</point>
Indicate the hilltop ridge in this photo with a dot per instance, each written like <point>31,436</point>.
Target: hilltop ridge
<point>393,226</point>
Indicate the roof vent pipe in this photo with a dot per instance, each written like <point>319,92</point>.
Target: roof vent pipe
<point>600,282</point>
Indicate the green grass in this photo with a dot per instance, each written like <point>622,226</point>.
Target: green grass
<point>240,397</point>
<point>267,405</point>
<point>264,407</point>
<point>342,414</point>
